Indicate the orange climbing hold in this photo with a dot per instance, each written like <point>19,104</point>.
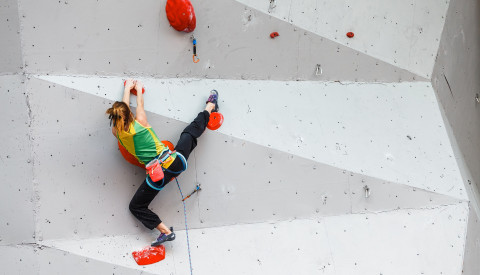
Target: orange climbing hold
<point>133,91</point>
<point>169,144</point>
<point>215,121</point>
<point>181,15</point>
<point>149,255</point>
<point>129,157</point>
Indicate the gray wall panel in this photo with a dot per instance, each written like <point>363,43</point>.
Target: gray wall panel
<point>20,259</point>
<point>16,164</point>
<point>78,168</point>
<point>10,54</point>
<point>114,38</point>
<point>53,261</point>
<point>471,262</point>
<point>456,78</point>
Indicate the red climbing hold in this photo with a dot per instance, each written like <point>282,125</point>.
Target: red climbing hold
<point>274,34</point>
<point>181,15</point>
<point>350,34</point>
<point>149,255</point>
<point>133,91</point>
<point>215,121</point>
<point>129,157</point>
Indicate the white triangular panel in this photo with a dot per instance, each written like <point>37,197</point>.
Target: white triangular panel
<point>402,33</point>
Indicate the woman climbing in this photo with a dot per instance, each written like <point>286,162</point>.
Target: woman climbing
<point>138,137</point>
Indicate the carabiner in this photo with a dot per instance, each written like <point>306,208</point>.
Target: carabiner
<point>195,59</point>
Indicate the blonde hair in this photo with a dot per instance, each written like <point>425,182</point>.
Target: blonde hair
<point>120,115</point>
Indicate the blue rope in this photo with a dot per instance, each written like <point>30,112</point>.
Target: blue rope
<point>186,227</point>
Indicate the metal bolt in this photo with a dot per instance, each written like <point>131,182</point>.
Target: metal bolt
<point>272,5</point>
<point>319,70</point>
<point>367,191</point>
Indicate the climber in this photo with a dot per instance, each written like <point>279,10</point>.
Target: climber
<point>138,137</point>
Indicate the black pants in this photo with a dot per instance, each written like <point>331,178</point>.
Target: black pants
<point>145,194</point>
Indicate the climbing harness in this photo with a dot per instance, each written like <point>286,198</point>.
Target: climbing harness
<point>186,226</point>
<point>153,168</point>
<point>195,58</point>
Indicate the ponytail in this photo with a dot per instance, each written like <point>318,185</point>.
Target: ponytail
<point>120,116</point>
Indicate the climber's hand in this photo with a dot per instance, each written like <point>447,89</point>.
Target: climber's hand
<point>138,86</point>
<point>129,84</point>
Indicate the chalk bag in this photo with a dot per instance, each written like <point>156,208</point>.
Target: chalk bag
<point>155,170</point>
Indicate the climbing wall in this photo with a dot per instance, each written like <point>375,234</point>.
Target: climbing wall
<point>11,57</point>
<point>336,155</point>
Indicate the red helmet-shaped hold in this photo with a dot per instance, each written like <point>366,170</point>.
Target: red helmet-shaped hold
<point>181,15</point>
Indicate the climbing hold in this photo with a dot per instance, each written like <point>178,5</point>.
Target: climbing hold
<point>274,34</point>
<point>133,91</point>
<point>129,157</point>
<point>215,121</point>
<point>169,144</point>
<point>149,255</point>
<point>350,34</point>
<point>181,15</point>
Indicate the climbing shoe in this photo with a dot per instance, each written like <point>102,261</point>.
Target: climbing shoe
<point>213,98</point>
<point>163,238</point>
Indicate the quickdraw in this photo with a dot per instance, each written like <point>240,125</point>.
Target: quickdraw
<point>195,58</point>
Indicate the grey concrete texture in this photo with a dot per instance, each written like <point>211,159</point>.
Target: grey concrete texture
<point>345,244</point>
<point>54,261</point>
<point>356,126</point>
<point>16,163</point>
<point>19,259</point>
<point>456,81</point>
<point>42,260</point>
<point>270,185</point>
<point>63,179</point>
<point>403,33</point>
<point>471,263</point>
<point>10,42</point>
<point>77,163</point>
<point>75,173</point>
<point>137,40</point>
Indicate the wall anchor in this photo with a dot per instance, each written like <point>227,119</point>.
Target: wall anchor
<point>367,191</point>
